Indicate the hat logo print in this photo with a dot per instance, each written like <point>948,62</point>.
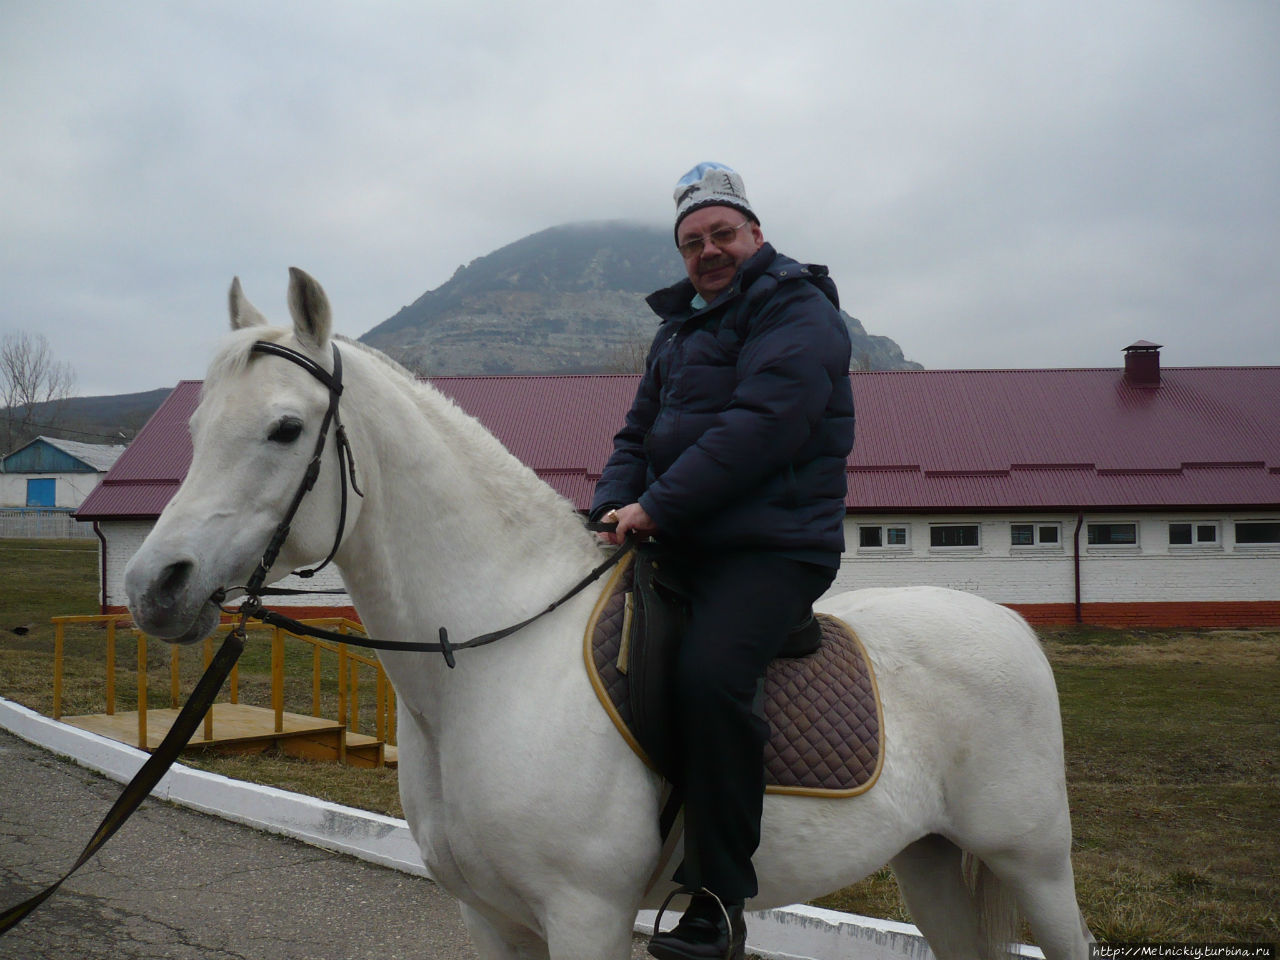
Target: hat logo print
<point>726,186</point>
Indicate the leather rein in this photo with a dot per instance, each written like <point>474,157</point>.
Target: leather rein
<point>252,607</point>
<point>208,686</point>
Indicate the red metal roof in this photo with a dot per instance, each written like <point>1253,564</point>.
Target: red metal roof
<point>550,423</point>
<point>148,473</point>
<point>928,440</point>
<point>991,439</point>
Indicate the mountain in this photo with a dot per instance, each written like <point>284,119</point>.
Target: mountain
<point>566,300</point>
<point>569,299</point>
<point>108,419</point>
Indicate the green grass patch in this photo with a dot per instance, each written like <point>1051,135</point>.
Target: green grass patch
<point>1172,739</point>
<point>44,579</point>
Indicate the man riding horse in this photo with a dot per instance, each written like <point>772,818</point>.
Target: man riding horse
<point>733,457</point>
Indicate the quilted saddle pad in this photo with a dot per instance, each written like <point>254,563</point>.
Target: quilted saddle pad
<point>827,732</point>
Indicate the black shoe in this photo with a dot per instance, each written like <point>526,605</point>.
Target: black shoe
<point>702,934</point>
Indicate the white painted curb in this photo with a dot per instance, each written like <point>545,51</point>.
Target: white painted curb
<point>808,933</point>
<point>369,836</point>
<point>788,933</point>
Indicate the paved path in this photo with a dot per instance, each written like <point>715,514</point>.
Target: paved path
<point>180,885</point>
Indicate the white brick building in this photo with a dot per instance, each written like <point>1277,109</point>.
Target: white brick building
<point>1129,496</point>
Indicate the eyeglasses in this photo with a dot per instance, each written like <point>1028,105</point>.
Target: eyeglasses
<point>721,238</point>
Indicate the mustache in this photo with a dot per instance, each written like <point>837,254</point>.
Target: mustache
<point>715,263</point>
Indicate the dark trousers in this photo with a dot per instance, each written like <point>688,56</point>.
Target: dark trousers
<point>742,606</point>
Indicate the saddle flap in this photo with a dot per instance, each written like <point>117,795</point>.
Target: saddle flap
<point>823,709</point>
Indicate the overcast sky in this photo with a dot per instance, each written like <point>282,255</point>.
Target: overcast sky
<point>993,184</point>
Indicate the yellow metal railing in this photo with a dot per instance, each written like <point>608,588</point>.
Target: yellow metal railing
<point>349,665</point>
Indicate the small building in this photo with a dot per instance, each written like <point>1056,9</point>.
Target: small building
<point>1130,497</point>
<point>1134,496</point>
<point>43,482</point>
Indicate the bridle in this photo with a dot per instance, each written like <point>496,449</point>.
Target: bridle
<point>346,463</point>
<point>251,606</point>
<point>206,689</point>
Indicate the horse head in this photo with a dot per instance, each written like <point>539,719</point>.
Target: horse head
<point>253,435</point>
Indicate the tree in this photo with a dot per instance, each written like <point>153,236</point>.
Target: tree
<point>29,375</point>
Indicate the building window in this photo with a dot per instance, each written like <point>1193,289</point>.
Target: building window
<point>954,535</point>
<point>1035,534</point>
<point>42,493</point>
<point>1260,532</point>
<point>880,537</point>
<point>1113,534</point>
<point>1193,534</point>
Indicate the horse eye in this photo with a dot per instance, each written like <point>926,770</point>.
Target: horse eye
<point>286,431</point>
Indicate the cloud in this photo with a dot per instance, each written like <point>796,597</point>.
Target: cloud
<point>993,184</point>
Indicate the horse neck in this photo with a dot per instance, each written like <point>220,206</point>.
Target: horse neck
<point>453,530</point>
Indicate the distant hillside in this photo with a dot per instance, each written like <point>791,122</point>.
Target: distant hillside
<point>110,419</point>
<point>566,300</point>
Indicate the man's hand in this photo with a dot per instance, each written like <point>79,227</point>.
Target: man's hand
<point>630,519</point>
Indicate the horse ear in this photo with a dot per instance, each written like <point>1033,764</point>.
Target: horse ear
<point>243,313</point>
<point>312,319</point>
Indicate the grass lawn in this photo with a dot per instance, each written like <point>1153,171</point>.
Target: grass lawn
<point>1172,739</point>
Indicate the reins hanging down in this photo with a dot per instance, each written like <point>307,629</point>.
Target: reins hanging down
<point>151,772</point>
<point>201,700</point>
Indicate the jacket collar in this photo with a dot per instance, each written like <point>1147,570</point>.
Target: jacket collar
<point>676,301</point>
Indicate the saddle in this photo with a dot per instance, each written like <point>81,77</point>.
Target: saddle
<point>819,697</point>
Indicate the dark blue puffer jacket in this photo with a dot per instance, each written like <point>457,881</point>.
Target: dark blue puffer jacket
<point>742,422</point>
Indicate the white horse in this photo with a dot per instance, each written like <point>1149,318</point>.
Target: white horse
<point>527,804</point>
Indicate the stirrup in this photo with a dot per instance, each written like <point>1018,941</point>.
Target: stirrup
<point>691,892</point>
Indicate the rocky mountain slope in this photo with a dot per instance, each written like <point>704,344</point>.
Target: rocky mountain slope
<point>569,299</point>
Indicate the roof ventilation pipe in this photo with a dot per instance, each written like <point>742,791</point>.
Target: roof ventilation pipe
<point>1142,364</point>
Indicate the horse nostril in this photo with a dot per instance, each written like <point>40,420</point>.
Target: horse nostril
<point>174,578</point>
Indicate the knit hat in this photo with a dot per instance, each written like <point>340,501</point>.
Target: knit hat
<point>711,185</point>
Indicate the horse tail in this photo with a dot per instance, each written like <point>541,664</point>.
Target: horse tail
<point>998,920</point>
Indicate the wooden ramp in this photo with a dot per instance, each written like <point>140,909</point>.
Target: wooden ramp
<point>238,728</point>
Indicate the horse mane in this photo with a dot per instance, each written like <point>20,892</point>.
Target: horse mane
<point>512,487</point>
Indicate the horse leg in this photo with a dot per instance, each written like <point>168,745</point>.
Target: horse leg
<point>1044,885</point>
<point>589,930</point>
<point>931,879</point>
<point>495,940</point>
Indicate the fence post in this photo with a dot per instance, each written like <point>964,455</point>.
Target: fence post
<point>355,696</point>
<point>142,691</point>
<point>175,677</point>
<point>342,684</point>
<point>391,714</point>
<point>380,706</point>
<point>315,680</point>
<point>57,669</point>
<point>208,658</point>
<point>111,667</point>
<point>277,677</point>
